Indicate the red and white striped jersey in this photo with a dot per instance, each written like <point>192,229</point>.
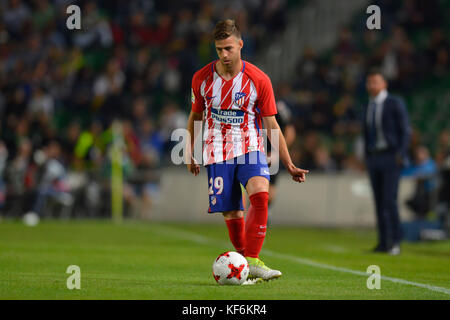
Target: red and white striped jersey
<point>233,110</point>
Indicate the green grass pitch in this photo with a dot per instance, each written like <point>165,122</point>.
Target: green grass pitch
<point>143,260</point>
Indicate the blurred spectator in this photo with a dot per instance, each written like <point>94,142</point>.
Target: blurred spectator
<point>3,162</point>
<point>41,102</point>
<point>151,143</point>
<point>323,162</point>
<point>310,145</point>
<point>436,227</point>
<point>16,15</point>
<point>43,14</point>
<point>424,171</point>
<point>89,147</point>
<point>69,142</point>
<point>443,149</point>
<point>53,181</point>
<point>152,147</point>
<point>443,198</point>
<point>108,88</point>
<point>133,147</point>
<point>171,118</point>
<point>20,179</point>
<point>95,28</point>
<point>443,206</point>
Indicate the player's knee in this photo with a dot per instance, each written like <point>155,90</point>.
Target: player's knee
<point>257,184</point>
<point>228,215</point>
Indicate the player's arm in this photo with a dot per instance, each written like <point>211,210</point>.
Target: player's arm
<point>192,166</point>
<point>270,123</point>
<point>197,108</point>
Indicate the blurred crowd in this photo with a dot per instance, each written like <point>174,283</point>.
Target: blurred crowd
<point>328,93</point>
<point>62,92</point>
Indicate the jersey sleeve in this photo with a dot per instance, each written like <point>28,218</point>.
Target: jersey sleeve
<point>266,103</point>
<point>197,101</point>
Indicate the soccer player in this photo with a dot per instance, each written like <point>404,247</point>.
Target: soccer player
<point>234,98</point>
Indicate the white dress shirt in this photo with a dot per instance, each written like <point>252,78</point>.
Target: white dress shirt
<point>379,105</point>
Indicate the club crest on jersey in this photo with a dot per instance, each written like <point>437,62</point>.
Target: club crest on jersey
<point>213,200</point>
<point>239,98</point>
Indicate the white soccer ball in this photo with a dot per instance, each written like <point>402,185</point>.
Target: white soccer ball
<point>31,219</point>
<point>230,268</point>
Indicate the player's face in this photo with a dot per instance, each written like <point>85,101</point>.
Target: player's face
<point>229,50</point>
<point>374,84</point>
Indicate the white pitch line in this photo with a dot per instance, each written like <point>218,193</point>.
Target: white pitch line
<point>360,273</point>
<point>194,237</point>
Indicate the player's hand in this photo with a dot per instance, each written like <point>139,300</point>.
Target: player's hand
<point>193,167</point>
<point>297,174</point>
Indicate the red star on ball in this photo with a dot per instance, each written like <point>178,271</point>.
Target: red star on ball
<point>235,271</point>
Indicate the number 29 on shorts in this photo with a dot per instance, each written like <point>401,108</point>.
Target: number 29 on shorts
<point>216,184</point>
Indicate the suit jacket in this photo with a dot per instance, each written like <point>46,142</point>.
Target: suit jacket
<point>395,126</point>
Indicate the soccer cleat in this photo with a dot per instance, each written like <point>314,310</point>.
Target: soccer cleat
<point>394,250</point>
<point>257,269</point>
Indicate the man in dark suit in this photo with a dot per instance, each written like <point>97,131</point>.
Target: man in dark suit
<point>386,135</point>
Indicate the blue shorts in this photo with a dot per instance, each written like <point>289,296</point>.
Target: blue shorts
<point>225,179</point>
